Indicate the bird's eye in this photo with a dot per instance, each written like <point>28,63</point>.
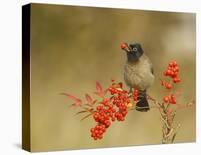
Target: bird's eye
<point>135,49</point>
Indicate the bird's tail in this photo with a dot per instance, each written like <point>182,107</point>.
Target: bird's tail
<point>142,104</point>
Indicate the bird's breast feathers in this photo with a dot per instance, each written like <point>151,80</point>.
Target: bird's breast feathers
<point>139,74</point>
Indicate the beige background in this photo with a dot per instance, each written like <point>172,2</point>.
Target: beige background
<point>72,47</point>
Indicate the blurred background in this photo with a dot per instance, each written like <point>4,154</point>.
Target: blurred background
<point>72,47</point>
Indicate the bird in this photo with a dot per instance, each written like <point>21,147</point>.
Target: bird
<point>138,73</point>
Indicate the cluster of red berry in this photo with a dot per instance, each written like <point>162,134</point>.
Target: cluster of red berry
<point>135,94</point>
<point>109,110</point>
<point>97,131</point>
<point>120,100</point>
<point>167,85</point>
<point>172,72</point>
<point>170,99</point>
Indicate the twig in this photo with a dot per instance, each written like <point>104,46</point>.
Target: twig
<point>165,122</point>
<point>86,116</point>
<point>176,130</point>
<point>170,133</point>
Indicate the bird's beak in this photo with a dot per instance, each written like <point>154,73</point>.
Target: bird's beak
<point>125,47</point>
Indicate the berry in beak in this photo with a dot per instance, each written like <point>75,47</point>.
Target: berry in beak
<point>125,47</point>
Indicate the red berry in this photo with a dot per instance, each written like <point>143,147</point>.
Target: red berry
<point>174,63</point>
<point>100,132</point>
<point>162,83</point>
<point>98,108</point>
<point>113,119</point>
<point>168,86</point>
<point>170,64</point>
<point>118,104</point>
<point>136,91</point>
<point>124,113</point>
<point>113,110</point>
<point>96,131</point>
<point>116,114</point>
<point>174,74</point>
<point>123,46</point>
<point>176,68</point>
<point>165,73</point>
<point>171,73</point>
<point>135,98</point>
<point>122,105</point>
<point>100,137</point>
<point>165,99</point>
<point>92,130</point>
<point>172,96</point>
<point>95,116</point>
<point>174,101</point>
<point>168,72</point>
<point>176,80</point>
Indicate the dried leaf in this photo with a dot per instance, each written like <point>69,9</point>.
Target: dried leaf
<point>77,101</point>
<point>89,110</point>
<point>120,84</point>
<point>88,105</point>
<point>98,87</point>
<point>75,104</point>
<point>89,99</point>
<point>91,105</point>
<point>99,90</point>
<point>105,91</point>
<point>80,112</point>
<point>94,101</point>
<point>99,94</point>
<point>113,79</point>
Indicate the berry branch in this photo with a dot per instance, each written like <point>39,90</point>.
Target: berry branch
<point>113,104</point>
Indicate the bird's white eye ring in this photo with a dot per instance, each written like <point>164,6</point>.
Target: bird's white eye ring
<point>135,49</point>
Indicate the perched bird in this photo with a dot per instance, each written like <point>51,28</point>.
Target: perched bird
<point>138,73</point>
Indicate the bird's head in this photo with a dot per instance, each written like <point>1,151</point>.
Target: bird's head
<point>134,51</point>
